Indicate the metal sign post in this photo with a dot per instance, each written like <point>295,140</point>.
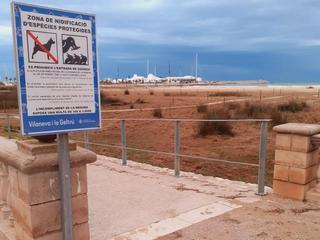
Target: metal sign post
<point>58,83</point>
<point>65,185</point>
<point>262,158</point>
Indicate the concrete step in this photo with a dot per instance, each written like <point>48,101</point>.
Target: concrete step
<point>313,194</point>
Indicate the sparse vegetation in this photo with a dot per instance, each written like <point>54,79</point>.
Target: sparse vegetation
<point>8,98</point>
<point>126,92</point>
<point>293,106</point>
<point>209,128</point>
<point>178,94</point>
<point>258,110</point>
<point>253,110</point>
<point>157,113</point>
<point>227,94</point>
<point>106,100</point>
<point>140,101</point>
<point>202,108</point>
<point>212,139</point>
<point>233,105</point>
<point>277,117</point>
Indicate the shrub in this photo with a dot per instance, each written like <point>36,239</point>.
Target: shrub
<point>178,94</point>
<point>233,105</point>
<point>202,108</point>
<point>157,113</point>
<point>293,106</point>
<point>126,92</point>
<point>131,106</point>
<point>277,117</point>
<point>253,110</point>
<point>8,97</point>
<point>140,101</point>
<point>106,100</point>
<point>151,92</point>
<point>209,128</point>
<point>227,94</point>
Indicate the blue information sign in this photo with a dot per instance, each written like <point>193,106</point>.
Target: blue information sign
<point>57,69</point>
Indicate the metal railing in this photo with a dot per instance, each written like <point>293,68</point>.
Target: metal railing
<point>8,120</point>
<point>176,154</point>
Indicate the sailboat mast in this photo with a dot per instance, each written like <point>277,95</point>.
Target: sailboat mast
<point>196,66</point>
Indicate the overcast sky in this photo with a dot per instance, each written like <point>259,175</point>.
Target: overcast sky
<point>277,40</point>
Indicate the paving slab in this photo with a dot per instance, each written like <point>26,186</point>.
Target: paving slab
<point>126,200</point>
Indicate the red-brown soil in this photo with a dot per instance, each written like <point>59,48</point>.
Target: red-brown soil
<point>159,135</point>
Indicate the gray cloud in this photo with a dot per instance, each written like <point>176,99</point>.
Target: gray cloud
<point>213,25</point>
<point>128,30</point>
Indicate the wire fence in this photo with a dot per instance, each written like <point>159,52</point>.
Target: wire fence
<point>177,145</point>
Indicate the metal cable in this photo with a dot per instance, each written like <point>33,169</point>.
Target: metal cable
<point>173,154</point>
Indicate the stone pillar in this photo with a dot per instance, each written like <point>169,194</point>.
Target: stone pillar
<point>3,185</point>
<point>35,193</point>
<point>296,160</point>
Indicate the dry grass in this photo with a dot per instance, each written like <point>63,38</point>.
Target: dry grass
<point>140,101</point>
<point>221,128</point>
<point>227,94</point>
<point>158,135</point>
<point>253,110</point>
<point>8,98</point>
<point>258,110</point>
<point>112,101</point>
<point>179,94</point>
<point>157,113</point>
<point>233,105</point>
<point>293,106</point>
<point>202,108</point>
<point>277,117</point>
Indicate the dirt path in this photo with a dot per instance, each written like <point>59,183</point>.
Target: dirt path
<point>189,106</point>
<point>271,219</point>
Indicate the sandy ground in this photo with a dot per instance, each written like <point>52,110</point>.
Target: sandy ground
<point>273,218</point>
<point>181,102</point>
<point>124,198</point>
<point>174,101</point>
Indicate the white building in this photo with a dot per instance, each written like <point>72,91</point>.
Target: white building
<point>153,79</point>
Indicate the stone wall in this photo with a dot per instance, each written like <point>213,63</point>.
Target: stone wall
<point>33,191</point>
<point>296,160</point>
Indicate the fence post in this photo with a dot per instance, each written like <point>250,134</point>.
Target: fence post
<point>123,142</point>
<point>262,158</point>
<point>260,95</point>
<point>177,150</point>
<point>86,139</point>
<point>8,126</point>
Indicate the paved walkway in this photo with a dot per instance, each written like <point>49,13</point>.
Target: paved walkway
<point>139,201</point>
